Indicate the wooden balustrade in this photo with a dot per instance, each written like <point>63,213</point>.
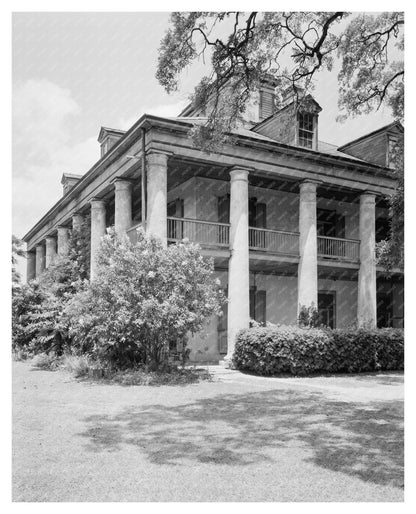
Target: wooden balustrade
<point>337,248</point>
<point>274,241</point>
<point>210,233</point>
<point>203,232</point>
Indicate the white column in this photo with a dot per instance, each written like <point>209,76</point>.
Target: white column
<point>40,259</point>
<point>77,220</point>
<point>308,263</point>
<point>367,288</point>
<point>123,213</point>
<point>238,267</point>
<point>30,266</point>
<point>98,227</point>
<point>157,191</point>
<point>50,250</point>
<point>63,241</point>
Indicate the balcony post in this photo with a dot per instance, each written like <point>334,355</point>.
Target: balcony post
<point>308,263</point>
<point>157,192</point>
<point>40,259</point>
<point>238,268</point>
<point>123,213</point>
<point>98,227</point>
<point>367,288</point>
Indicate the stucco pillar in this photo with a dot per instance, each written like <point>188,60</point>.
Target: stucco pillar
<point>157,191</point>
<point>238,267</point>
<point>98,227</point>
<point>30,266</point>
<point>123,213</point>
<point>77,220</point>
<point>50,250</point>
<point>308,263</point>
<point>40,259</point>
<point>63,241</point>
<point>367,288</point>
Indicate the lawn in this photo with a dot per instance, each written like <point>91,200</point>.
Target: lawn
<point>238,438</point>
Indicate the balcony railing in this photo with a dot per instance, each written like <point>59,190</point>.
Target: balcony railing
<point>203,232</point>
<point>209,233</point>
<point>339,249</point>
<point>273,241</point>
<point>132,233</point>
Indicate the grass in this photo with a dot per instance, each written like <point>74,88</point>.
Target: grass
<point>237,438</point>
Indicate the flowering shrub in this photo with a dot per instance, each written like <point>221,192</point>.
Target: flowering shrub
<point>284,349</point>
<point>144,298</point>
<point>38,321</point>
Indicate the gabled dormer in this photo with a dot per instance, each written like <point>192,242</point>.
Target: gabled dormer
<point>108,138</point>
<point>295,123</point>
<point>68,181</point>
<point>377,147</point>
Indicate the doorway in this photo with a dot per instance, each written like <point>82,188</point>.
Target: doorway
<point>326,308</point>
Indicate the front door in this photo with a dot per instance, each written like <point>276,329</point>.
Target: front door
<point>326,308</point>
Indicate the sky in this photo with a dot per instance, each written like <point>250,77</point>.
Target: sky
<point>76,72</point>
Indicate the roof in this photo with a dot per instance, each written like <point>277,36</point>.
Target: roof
<point>148,120</point>
<point>385,128</point>
<point>323,147</point>
<point>106,131</point>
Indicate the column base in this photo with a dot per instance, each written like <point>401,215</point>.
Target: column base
<point>227,362</point>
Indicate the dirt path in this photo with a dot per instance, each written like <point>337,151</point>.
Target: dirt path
<point>239,438</point>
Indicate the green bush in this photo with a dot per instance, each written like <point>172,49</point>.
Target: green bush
<point>274,350</point>
<point>38,321</point>
<point>146,298</point>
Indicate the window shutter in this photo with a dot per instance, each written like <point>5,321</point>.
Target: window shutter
<point>266,104</point>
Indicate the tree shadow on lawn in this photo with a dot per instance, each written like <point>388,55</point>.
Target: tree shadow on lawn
<point>361,440</point>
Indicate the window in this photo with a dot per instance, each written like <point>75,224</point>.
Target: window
<point>306,130</point>
<point>329,223</point>
<point>258,305</point>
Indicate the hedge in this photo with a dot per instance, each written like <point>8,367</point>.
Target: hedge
<point>280,349</point>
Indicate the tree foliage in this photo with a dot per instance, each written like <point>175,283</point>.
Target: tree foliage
<point>38,321</point>
<point>17,251</point>
<point>291,48</point>
<point>146,298</point>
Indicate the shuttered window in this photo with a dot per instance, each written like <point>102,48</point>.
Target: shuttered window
<point>267,107</point>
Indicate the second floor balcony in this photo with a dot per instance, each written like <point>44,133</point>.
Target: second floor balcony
<point>277,242</point>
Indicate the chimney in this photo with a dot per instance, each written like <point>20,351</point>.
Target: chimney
<point>290,93</point>
<point>69,180</point>
<point>108,138</point>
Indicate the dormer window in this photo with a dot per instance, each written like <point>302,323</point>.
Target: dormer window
<point>306,129</point>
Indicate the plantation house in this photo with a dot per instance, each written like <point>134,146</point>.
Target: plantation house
<point>289,220</point>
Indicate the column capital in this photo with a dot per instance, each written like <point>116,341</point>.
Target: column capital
<point>39,246</point>
<point>310,183</point>
<point>369,194</point>
<point>122,184</point>
<point>97,203</point>
<point>156,157</point>
<point>240,173</point>
<point>62,227</point>
<point>50,238</point>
